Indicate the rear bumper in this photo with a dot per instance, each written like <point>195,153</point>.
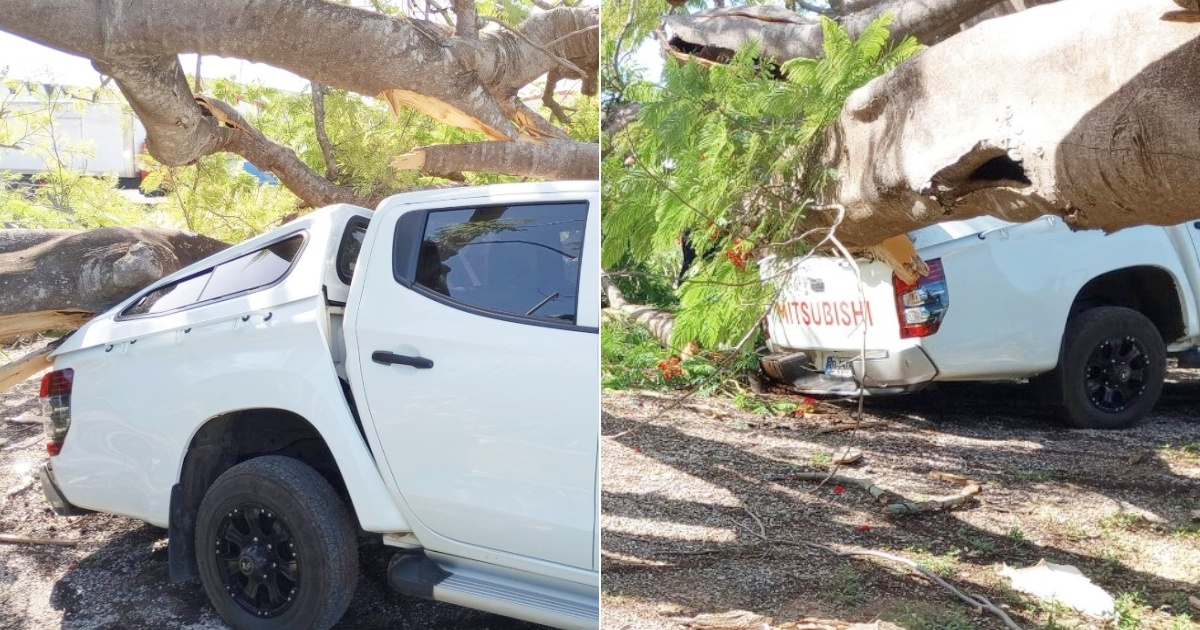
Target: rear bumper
<point>54,496</point>
<point>898,372</point>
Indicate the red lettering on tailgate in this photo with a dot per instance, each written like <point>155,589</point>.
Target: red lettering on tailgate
<point>838,313</point>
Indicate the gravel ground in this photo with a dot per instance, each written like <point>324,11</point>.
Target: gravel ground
<point>700,503</point>
<point>115,575</point>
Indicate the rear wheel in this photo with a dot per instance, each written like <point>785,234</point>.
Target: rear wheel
<point>276,547</point>
<point>1111,369</point>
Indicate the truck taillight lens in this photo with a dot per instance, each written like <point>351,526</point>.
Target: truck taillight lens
<point>56,407</point>
<point>922,305</point>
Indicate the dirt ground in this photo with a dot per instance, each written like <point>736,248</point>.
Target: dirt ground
<point>115,575</point>
<point>696,498</point>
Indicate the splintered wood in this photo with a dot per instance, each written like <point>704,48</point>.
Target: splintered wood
<point>12,374</point>
<point>440,111</point>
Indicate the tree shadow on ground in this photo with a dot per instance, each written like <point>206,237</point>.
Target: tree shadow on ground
<point>788,582</point>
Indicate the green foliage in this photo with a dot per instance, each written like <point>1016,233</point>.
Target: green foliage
<point>630,358</point>
<point>59,197</point>
<point>727,157</point>
<point>625,24</point>
<point>1129,608</point>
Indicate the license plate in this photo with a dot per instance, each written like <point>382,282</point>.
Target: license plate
<point>834,367</point>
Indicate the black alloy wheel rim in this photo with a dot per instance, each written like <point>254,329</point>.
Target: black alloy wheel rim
<point>256,556</point>
<point>1116,373</point>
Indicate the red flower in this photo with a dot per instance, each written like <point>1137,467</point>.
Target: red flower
<point>863,528</point>
<point>737,259</point>
<point>670,368</point>
<point>838,489</point>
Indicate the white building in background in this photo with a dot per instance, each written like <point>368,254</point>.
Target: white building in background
<point>97,137</point>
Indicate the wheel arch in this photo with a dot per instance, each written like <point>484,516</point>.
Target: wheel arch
<point>1150,290</point>
<point>226,440</point>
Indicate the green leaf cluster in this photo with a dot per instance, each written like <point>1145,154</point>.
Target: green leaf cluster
<point>727,157</point>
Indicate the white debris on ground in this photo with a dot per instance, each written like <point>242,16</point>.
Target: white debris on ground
<point>1062,583</point>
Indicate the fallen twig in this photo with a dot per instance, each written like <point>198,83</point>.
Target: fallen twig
<point>893,503</point>
<point>22,540</point>
<point>25,443</point>
<point>19,488</point>
<point>850,426</point>
<point>25,420</point>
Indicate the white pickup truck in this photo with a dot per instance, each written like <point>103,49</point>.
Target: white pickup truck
<point>426,373</point>
<point>1089,318</point>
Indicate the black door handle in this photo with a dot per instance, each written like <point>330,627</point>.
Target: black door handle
<point>391,358</point>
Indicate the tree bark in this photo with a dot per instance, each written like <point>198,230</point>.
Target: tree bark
<point>318,97</point>
<point>560,159</point>
<point>784,35</point>
<point>1047,126</point>
<point>57,279</point>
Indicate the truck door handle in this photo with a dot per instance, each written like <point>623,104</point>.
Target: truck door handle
<point>391,358</point>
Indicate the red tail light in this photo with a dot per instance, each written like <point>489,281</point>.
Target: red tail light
<point>57,383</point>
<point>56,406</point>
<point>922,305</point>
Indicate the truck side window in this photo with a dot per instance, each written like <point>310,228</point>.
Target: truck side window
<point>240,275</point>
<point>351,245</point>
<point>518,260</point>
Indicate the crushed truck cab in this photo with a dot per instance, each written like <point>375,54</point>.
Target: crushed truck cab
<point>425,372</point>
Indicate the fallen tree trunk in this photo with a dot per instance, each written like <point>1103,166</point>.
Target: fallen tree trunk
<point>660,323</point>
<point>57,279</point>
<point>1045,126</point>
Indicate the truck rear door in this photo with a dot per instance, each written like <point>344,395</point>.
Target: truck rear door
<point>473,350</point>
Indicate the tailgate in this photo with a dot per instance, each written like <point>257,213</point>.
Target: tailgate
<point>820,306</point>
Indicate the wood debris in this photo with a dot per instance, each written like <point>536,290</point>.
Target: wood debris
<point>19,488</point>
<point>846,457</point>
<point>729,620</point>
<point>895,504</point>
<point>850,425</point>
<point>24,540</point>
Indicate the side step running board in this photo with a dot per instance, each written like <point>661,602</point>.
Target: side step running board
<point>415,574</point>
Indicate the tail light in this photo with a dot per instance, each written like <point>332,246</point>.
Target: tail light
<point>922,305</point>
<point>56,407</point>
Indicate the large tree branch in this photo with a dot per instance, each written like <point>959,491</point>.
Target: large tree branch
<point>340,46</point>
<point>1105,141</point>
<point>553,157</point>
<point>510,62</point>
<point>179,131</point>
<point>786,35</point>
<point>460,80</point>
